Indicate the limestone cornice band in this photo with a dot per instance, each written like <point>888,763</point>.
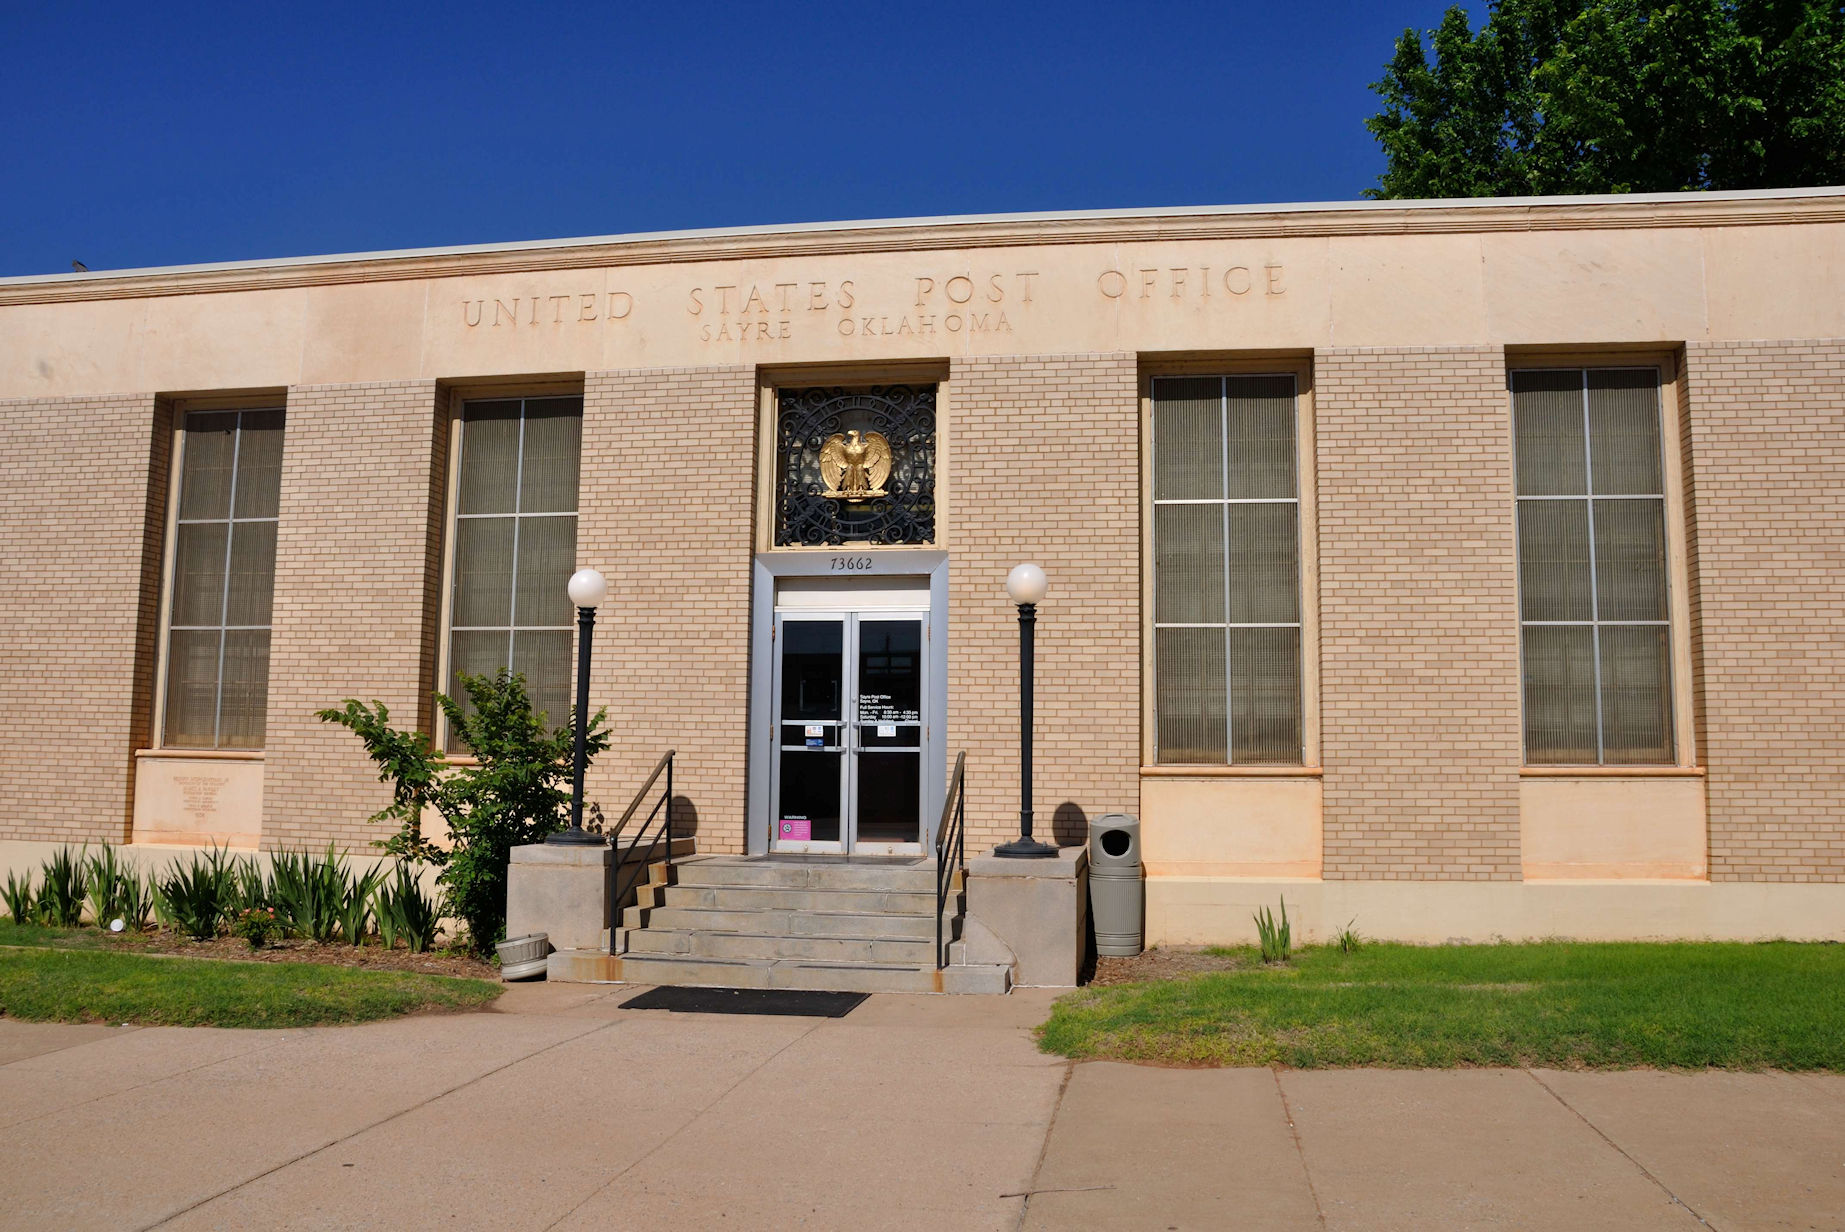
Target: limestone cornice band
<point>1382,218</point>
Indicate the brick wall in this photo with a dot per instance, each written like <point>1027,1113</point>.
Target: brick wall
<point>1679,416</point>
<point>1043,465</point>
<point>667,511</point>
<point>1420,724</point>
<point>1418,614</point>
<point>1767,449</point>
<point>358,552</point>
<point>82,498</point>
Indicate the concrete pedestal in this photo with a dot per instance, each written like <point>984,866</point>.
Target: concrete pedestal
<point>559,890</point>
<point>1029,914</point>
<point>564,891</point>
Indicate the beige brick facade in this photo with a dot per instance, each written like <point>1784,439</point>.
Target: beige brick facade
<point>1041,334</point>
<point>1694,600</point>
<point>666,512</point>
<point>1043,465</point>
<point>1767,463</point>
<point>82,508</point>
<point>1418,614</point>
<point>358,552</point>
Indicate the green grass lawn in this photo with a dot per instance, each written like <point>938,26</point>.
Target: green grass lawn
<point>1776,1005</point>
<point>48,935</point>
<point>55,980</point>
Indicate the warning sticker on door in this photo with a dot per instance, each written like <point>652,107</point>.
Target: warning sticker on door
<point>887,731</point>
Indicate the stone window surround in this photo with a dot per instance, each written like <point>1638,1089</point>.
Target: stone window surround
<point>770,378</point>
<point>457,396</point>
<point>1670,366</point>
<point>178,408</point>
<point>1299,365</point>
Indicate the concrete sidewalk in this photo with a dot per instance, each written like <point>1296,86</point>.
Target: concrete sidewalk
<point>561,1110</point>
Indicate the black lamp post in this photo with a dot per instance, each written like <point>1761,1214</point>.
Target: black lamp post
<point>1026,586</point>
<point>587,589</point>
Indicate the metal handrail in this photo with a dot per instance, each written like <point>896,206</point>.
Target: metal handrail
<point>662,810</point>
<point>953,827</point>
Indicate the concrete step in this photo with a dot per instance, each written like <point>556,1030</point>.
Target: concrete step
<point>665,941</point>
<point>865,977</point>
<point>912,876</point>
<point>680,969</point>
<point>689,893</point>
<point>791,923</point>
<point>697,972</point>
<point>743,922</point>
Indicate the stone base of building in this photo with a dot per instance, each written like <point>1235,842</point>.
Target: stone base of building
<point>1219,910</point>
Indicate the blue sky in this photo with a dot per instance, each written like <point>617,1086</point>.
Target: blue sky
<point>154,134</point>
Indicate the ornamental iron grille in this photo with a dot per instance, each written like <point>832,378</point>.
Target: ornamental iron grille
<point>806,419</point>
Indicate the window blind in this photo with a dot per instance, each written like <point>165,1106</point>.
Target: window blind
<point>515,547</point>
<point>217,683</point>
<point>1594,622</point>
<point>1226,571</point>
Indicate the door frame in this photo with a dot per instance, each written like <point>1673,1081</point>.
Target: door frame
<point>845,563</point>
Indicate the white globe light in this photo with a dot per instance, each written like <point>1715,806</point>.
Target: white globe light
<point>1027,584</point>
<point>588,588</point>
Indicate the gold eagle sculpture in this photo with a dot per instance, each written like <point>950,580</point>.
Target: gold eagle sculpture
<point>855,465</point>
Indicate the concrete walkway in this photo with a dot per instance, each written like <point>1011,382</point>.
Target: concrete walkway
<point>560,1110</point>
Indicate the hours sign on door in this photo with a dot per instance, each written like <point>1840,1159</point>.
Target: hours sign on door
<point>882,708</point>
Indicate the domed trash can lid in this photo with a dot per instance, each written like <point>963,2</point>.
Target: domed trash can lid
<point>523,958</point>
<point>1114,840</point>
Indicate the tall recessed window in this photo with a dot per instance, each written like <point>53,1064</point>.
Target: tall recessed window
<point>515,546</point>
<point>1226,571</point>
<point>1592,566</point>
<point>217,664</point>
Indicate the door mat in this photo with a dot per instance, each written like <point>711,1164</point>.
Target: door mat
<point>789,1001</point>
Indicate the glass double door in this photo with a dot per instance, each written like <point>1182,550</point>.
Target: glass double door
<point>849,693</point>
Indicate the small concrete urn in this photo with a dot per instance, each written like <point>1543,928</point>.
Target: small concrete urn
<point>523,958</point>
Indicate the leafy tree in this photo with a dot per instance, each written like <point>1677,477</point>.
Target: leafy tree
<point>1611,96</point>
<point>517,794</point>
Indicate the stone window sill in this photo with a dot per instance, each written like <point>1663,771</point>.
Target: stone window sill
<point>1611,772</point>
<point>1230,772</point>
<point>204,754</point>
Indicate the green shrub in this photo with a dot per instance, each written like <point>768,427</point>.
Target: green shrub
<point>137,900</point>
<point>195,898</point>
<point>249,885</point>
<point>21,898</point>
<point>404,911</point>
<point>1348,940</point>
<point>356,892</point>
<point>308,892</point>
<point>1276,936</point>
<point>257,925</point>
<point>109,878</point>
<point>60,898</point>
<point>517,794</point>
